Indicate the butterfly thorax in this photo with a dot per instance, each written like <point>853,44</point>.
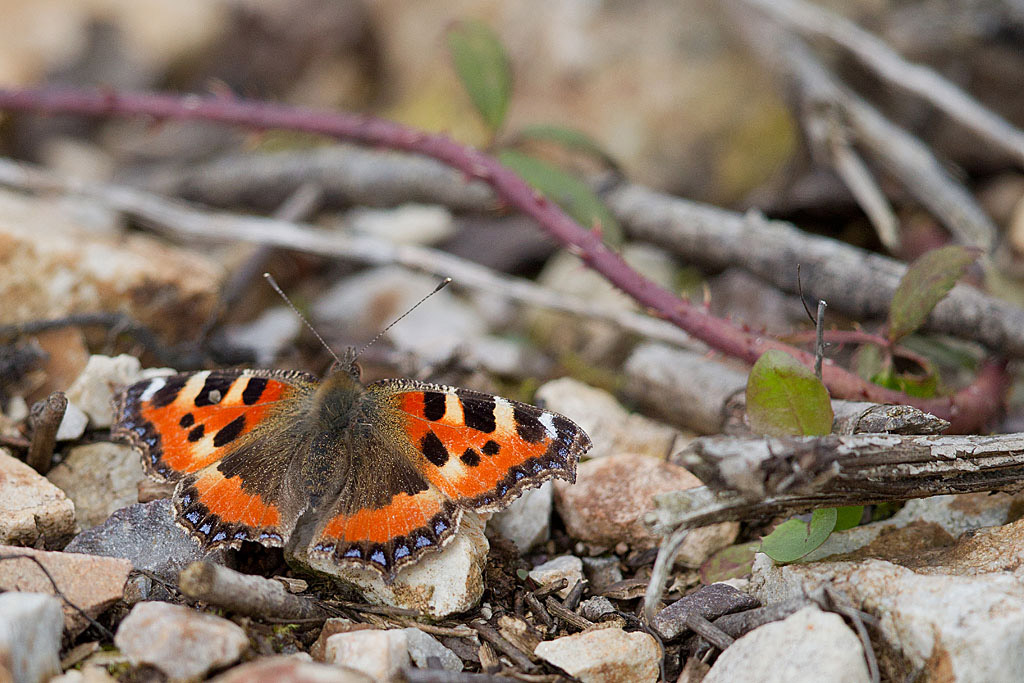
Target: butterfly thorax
<point>335,405</point>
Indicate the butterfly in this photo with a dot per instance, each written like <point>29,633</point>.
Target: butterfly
<point>349,474</point>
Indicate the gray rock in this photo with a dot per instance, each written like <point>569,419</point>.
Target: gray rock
<point>406,224</point>
<point>93,390</point>
<point>145,534</point>
<point>180,642</point>
<point>32,510</point>
<point>807,647</point>
<point>422,646</point>
<point>30,630</point>
<point>267,335</point>
<point>527,521</point>
<point>602,571</point>
<point>606,655</point>
<point>709,602</point>
<point>99,478</point>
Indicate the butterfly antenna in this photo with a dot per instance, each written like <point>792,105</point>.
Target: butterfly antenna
<point>273,283</point>
<point>444,283</point>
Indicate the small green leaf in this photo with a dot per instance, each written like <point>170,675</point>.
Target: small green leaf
<point>569,192</point>
<point>483,68</point>
<point>733,562</point>
<point>848,517</point>
<point>926,282</point>
<point>793,539</point>
<point>784,398</point>
<point>569,138</point>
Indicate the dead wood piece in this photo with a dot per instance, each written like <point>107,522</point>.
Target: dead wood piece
<point>709,602</point>
<point>538,611</point>
<point>855,282</point>
<point>46,418</point>
<point>857,417</point>
<point>521,659</point>
<point>708,631</point>
<point>245,594</point>
<point>900,153</point>
<point>738,624</point>
<point>559,611</point>
<point>550,588</point>
<point>924,82</point>
<point>572,600</point>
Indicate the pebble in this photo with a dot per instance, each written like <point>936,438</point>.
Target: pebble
<point>806,647</point>
<point>406,224</point>
<point>607,655</point>
<point>439,584</point>
<point>290,669</point>
<point>611,427</point>
<point>612,495</point>
<point>527,521</point>
<point>379,654</point>
<point>146,535</point>
<point>30,637</point>
<point>93,390</point>
<point>73,424</point>
<point>269,334</point>
<point>367,302</point>
<point>710,602</point>
<point>180,642</point>
<point>568,567</point>
<point>99,478</point>
<point>422,646</point>
<point>32,510</point>
<point>92,583</point>
<point>596,607</point>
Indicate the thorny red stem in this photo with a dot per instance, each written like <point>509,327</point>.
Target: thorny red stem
<point>968,410</point>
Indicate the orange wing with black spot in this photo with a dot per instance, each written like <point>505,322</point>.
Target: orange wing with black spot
<point>222,436</point>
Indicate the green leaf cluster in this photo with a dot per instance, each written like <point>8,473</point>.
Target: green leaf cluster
<point>483,69</point>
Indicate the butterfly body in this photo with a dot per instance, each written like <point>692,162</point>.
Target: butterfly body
<point>375,475</point>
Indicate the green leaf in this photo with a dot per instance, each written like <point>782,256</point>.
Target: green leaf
<point>926,282</point>
<point>733,562</point>
<point>784,398</point>
<point>848,517</point>
<point>569,192</point>
<point>919,386</point>
<point>793,539</point>
<point>483,68</point>
<point>569,138</point>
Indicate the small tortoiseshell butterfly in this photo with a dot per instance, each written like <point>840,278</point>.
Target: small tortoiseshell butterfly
<point>373,475</point>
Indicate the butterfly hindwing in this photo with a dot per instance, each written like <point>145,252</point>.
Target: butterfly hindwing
<point>218,435</point>
<point>480,450</point>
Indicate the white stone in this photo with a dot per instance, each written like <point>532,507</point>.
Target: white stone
<point>406,224</point>
<point>31,508</point>
<point>527,521</point>
<point>807,647</point>
<point>438,584</point>
<point>568,567</point>
<point>93,390</point>
<point>607,655</point>
<point>30,631</point>
<point>180,642</point>
<point>422,646</point>
<point>72,426</point>
<point>366,303</point>
<point>268,334</point>
<point>99,478</point>
<point>377,653</point>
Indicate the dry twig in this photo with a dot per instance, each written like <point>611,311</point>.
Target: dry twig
<point>246,594</point>
<point>45,423</point>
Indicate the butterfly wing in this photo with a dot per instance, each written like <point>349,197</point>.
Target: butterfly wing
<point>228,438</point>
<point>480,450</point>
<point>427,452</point>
